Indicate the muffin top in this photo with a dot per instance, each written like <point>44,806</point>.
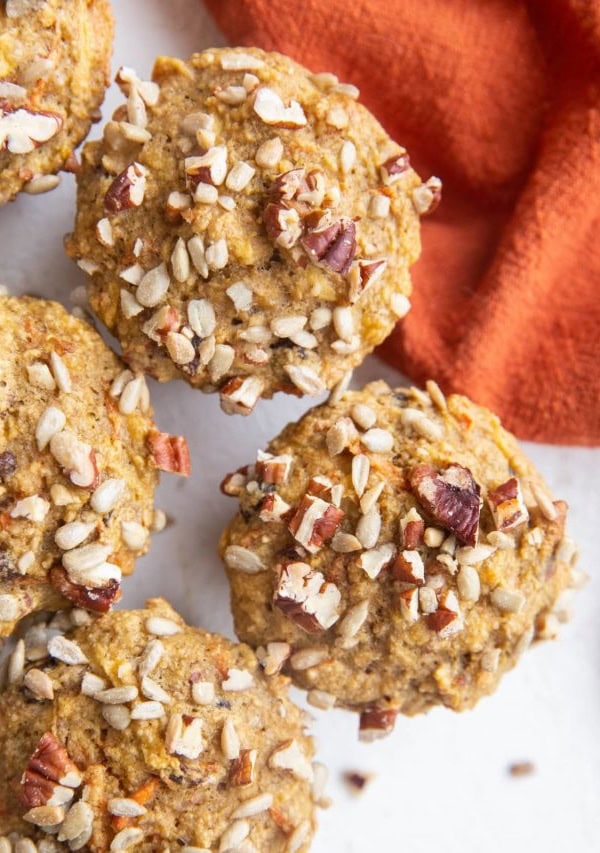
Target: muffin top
<point>247,225</point>
<point>400,546</point>
<point>136,731</point>
<point>54,66</point>
<point>79,454</point>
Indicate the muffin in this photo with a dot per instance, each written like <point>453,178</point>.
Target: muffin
<point>79,455</point>
<point>138,732</point>
<point>394,550</point>
<point>54,69</point>
<point>247,226</point>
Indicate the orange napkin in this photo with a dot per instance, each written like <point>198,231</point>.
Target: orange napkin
<point>501,99</point>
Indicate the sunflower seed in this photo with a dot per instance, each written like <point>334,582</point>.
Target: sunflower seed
<point>51,421</point>
<point>162,627</point>
<point>125,807</point>
<point>61,373</point>
<point>378,440</point>
<point>107,495</point>
<point>148,711</point>
<point>66,651</point>
<point>230,742</point>
<point>243,560</point>
<point>305,378</point>
<point>117,716</point>
<point>153,287</point>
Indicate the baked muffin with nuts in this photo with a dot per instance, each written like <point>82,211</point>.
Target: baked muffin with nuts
<point>136,731</point>
<point>79,455</point>
<point>247,226</point>
<point>54,67</point>
<point>394,550</point>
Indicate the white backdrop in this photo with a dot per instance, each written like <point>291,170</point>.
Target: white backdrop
<point>441,782</point>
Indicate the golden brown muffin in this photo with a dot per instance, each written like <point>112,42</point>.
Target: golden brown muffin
<point>247,226</point>
<point>54,69</point>
<point>398,549</point>
<point>139,732</point>
<point>79,454</point>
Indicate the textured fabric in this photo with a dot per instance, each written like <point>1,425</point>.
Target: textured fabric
<point>501,99</point>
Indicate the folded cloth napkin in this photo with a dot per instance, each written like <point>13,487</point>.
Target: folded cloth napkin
<point>501,99</point>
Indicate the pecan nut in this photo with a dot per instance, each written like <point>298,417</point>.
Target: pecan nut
<point>127,190</point>
<point>314,522</point>
<point>333,246</point>
<point>376,723</point>
<point>450,497</point>
<point>507,505</point>
<point>48,771</point>
<point>169,452</point>
<point>97,599</point>
<point>306,597</point>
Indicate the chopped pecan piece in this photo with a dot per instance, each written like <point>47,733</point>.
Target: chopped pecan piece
<point>314,522</point>
<point>393,168</point>
<point>127,190</point>
<point>273,469</point>
<point>282,224</point>
<point>22,130</point>
<point>376,723</point>
<point>241,771</point>
<point>450,497</point>
<point>364,272</point>
<point>97,599</point>
<point>306,597</point>
<point>48,769</point>
<point>333,246</point>
<point>170,452</point>
<point>240,394</point>
<point>234,484</point>
<point>273,508</point>
<point>408,567</point>
<point>287,185</point>
<point>446,620</point>
<point>412,527</point>
<point>427,197</point>
<point>507,505</point>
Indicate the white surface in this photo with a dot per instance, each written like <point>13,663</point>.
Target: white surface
<point>441,781</point>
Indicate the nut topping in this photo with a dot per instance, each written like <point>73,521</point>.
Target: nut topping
<point>427,197</point>
<point>97,599</point>
<point>241,772</point>
<point>307,598</point>
<point>451,498</point>
<point>393,169</point>
<point>333,246</point>
<point>23,130</point>
<point>170,452</point>
<point>409,567</point>
<point>50,763</point>
<point>273,469</point>
<point>507,505</point>
<point>363,274</point>
<point>376,723</point>
<point>314,522</point>
<point>127,190</point>
<point>269,107</point>
<point>240,394</point>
